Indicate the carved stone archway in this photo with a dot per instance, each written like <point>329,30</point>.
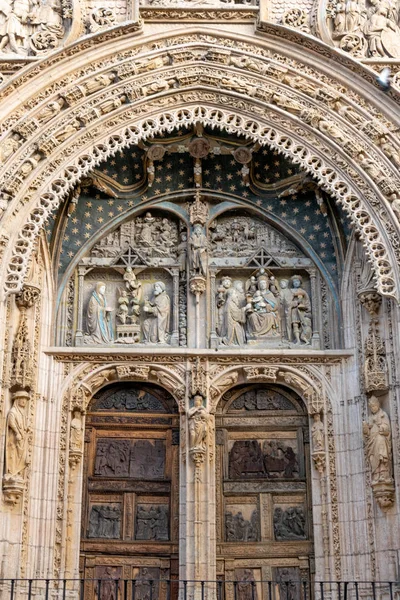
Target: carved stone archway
<point>230,82</point>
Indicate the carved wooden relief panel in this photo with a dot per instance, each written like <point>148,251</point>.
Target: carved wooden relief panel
<point>130,504</point>
<point>264,521</point>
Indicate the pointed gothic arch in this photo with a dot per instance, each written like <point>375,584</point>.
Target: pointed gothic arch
<point>239,88</point>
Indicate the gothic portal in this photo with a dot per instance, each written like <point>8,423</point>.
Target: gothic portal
<point>199,288</point>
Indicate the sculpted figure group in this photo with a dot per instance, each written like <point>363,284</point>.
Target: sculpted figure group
<point>29,27</point>
<point>155,312</point>
<point>372,28</point>
<point>263,308</point>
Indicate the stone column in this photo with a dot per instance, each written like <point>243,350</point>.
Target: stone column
<point>79,333</point>
<point>197,525</point>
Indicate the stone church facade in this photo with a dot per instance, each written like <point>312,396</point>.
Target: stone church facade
<point>199,297</point>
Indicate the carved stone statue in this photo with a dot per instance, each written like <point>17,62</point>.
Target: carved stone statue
<point>378,438</point>
<point>233,319</point>
<point>263,318</point>
<point>76,435</point>
<point>317,433</point>
<point>198,251</point>
<point>98,317</point>
<point>17,437</point>
<point>198,417</point>
<point>300,312</point>
<point>157,315</point>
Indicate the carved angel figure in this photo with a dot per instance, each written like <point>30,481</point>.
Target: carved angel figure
<point>377,433</point>
<point>198,417</point>
<point>198,249</point>
<point>17,436</point>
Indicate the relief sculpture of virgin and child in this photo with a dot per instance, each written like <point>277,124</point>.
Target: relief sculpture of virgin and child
<point>263,309</point>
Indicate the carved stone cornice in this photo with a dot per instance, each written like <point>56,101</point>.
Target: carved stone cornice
<point>162,14</point>
<point>176,355</point>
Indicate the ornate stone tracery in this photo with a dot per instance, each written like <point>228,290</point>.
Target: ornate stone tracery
<point>314,165</point>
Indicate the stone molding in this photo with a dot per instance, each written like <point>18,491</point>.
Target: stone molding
<point>300,121</point>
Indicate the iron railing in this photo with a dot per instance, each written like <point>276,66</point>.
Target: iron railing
<point>112,588</point>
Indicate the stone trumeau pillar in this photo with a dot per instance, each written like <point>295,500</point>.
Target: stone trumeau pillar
<point>197,498</point>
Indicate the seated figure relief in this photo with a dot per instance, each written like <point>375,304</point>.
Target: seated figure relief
<point>263,308</point>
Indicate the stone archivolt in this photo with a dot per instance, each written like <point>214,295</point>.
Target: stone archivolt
<point>320,145</point>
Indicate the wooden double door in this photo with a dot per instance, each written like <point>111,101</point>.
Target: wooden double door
<point>264,517</point>
<point>130,513</point>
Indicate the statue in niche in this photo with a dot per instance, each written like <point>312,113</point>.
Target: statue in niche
<point>246,588</point>
<point>157,315</point>
<point>152,522</point>
<point>378,438</point>
<point>105,522</point>
<point>238,529</point>
<point>263,316</point>
<point>17,437</point>
<point>381,30</point>
<point>76,435</point>
<point>98,317</point>
<point>300,312</point>
<point>198,251</point>
<point>317,433</point>
<point>198,418</point>
<point>289,524</point>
